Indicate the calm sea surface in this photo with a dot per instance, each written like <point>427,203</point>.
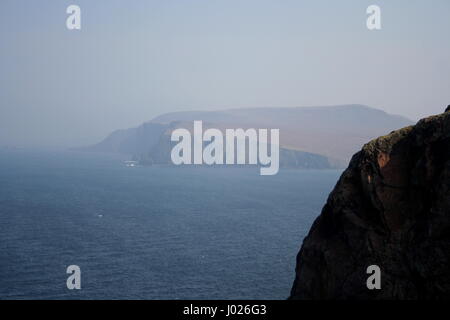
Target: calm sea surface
<point>150,232</point>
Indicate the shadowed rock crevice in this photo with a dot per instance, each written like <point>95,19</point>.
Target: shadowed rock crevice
<point>391,208</point>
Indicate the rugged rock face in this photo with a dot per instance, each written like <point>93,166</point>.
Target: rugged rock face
<point>391,208</point>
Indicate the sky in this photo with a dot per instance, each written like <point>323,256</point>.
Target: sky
<point>134,60</point>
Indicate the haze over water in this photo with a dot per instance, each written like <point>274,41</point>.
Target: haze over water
<point>150,232</point>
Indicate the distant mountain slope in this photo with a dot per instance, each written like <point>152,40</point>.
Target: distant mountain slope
<point>327,118</point>
<point>333,132</point>
<point>131,141</point>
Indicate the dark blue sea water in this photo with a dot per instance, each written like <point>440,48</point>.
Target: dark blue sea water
<point>150,232</point>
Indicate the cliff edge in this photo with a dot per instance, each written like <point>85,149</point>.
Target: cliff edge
<point>390,208</point>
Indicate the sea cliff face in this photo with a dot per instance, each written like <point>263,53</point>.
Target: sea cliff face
<point>390,208</point>
<point>310,137</point>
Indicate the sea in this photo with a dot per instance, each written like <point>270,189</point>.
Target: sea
<point>150,232</point>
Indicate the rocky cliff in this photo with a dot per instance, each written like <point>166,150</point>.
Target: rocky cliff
<point>390,208</point>
<point>310,137</point>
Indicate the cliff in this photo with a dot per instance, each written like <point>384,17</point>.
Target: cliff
<point>390,208</point>
<point>310,137</point>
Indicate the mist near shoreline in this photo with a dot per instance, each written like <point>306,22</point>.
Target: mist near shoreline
<point>131,62</point>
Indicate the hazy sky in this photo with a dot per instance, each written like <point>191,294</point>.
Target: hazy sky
<point>133,60</point>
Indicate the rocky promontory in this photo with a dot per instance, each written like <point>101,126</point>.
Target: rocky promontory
<point>390,208</point>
